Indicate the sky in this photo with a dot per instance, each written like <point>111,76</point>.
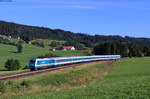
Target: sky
<point>95,17</point>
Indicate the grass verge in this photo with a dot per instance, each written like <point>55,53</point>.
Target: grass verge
<point>128,80</point>
<point>72,78</point>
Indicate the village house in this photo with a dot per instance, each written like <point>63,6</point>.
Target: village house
<point>66,48</point>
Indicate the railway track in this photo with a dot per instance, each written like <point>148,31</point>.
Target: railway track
<point>29,73</point>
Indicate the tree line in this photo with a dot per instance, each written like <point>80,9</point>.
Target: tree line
<point>122,48</point>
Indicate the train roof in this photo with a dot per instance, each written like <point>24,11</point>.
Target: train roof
<point>57,58</point>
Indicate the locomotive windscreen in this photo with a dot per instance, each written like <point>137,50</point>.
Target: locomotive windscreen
<point>32,61</point>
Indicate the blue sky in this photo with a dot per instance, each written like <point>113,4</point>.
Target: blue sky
<point>102,17</point>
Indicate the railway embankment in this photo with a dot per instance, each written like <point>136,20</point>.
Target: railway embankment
<point>128,79</point>
<point>65,79</point>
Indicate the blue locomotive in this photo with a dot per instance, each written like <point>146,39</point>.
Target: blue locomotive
<point>40,63</point>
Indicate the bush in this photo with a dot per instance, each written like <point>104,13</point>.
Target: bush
<point>12,64</point>
<point>26,67</point>
<point>3,86</point>
<point>38,43</point>
<point>54,44</point>
<point>19,48</point>
<point>88,53</point>
<point>25,84</point>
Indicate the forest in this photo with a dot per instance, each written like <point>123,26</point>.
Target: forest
<point>28,33</point>
<point>121,48</point>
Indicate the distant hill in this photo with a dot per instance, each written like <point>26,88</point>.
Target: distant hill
<point>28,33</point>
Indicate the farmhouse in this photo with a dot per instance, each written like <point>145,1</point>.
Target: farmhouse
<point>66,48</point>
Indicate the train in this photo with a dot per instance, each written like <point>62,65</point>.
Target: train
<point>41,63</point>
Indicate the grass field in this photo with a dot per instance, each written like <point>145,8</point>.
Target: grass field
<point>29,51</point>
<point>129,79</point>
<point>63,79</point>
<point>71,53</point>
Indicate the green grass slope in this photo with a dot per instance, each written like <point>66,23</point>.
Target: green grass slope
<point>29,51</point>
<point>128,80</point>
<point>57,80</point>
<point>71,53</point>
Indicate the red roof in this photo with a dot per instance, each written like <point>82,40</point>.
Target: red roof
<point>66,47</point>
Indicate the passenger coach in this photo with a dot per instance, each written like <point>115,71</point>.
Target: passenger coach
<point>40,63</point>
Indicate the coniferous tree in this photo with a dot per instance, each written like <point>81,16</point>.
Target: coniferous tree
<point>121,48</point>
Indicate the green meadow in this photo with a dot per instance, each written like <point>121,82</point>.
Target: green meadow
<point>30,51</point>
<point>125,79</point>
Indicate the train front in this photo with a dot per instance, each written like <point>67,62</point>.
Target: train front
<point>32,64</point>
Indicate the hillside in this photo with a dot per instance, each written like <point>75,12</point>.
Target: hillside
<point>31,32</point>
<point>30,51</point>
